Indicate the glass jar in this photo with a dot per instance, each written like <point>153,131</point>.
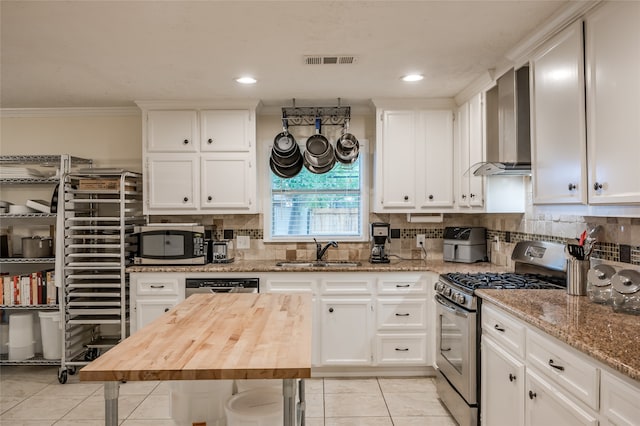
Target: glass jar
<point>599,283</point>
<point>625,292</point>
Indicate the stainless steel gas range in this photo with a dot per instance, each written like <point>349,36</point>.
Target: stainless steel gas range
<point>538,265</point>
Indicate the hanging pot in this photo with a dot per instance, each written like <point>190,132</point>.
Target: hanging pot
<point>319,153</point>
<point>286,172</point>
<point>347,146</point>
<point>284,143</point>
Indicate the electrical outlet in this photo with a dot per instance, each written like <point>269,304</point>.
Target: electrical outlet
<point>420,240</point>
<point>244,241</point>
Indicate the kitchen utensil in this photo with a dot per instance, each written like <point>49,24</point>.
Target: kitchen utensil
<point>347,146</point>
<point>286,172</point>
<point>284,144</point>
<point>319,153</point>
<point>287,160</point>
<point>576,251</point>
<point>583,236</point>
<point>36,246</point>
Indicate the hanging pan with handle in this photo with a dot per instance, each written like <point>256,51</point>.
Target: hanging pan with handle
<point>347,146</point>
<point>319,156</point>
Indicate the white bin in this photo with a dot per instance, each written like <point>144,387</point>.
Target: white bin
<point>245,385</point>
<point>21,352</point>
<point>194,401</point>
<point>21,330</point>
<point>256,407</point>
<point>51,330</point>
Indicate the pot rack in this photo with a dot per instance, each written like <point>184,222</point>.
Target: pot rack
<point>309,116</point>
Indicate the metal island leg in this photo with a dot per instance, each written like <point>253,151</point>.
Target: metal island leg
<point>111,391</point>
<point>290,408</point>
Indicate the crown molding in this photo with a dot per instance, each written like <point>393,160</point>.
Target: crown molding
<point>68,112</point>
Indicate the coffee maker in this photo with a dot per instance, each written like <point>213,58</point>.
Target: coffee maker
<point>380,236</point>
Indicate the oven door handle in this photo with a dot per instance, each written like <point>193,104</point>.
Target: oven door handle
<point>450,307</point>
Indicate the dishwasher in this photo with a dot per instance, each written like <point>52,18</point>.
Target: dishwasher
<point>221,285</point>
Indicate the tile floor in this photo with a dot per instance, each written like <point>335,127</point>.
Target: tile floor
<point>32,396</point>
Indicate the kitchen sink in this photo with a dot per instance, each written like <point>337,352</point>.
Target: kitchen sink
<point>317,264</point>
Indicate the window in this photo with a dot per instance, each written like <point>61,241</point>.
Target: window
<point>329,205</point>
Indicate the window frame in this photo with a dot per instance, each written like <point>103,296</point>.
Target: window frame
<point>365,162</point>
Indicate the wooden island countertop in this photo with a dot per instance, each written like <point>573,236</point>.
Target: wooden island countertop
<point>216,336</point>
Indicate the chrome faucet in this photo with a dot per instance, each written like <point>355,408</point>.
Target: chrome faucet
<point>320,251</point>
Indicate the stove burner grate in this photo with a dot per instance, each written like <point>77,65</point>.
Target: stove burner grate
<point>505,281</point>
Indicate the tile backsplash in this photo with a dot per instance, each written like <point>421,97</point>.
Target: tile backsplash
<point>620,236</point>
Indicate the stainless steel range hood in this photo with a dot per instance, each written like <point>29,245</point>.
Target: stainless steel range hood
<point>508,127</point>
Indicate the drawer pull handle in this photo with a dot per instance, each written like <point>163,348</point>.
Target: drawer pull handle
<point>157,286</point>
<point>403,285</point>
<point>166,309</point>
<point>402,349</point>
<point>402,315</point>
<point>557,367</point>
<point>511,377</point>
<point>532,394</point>
<point>500,329</point>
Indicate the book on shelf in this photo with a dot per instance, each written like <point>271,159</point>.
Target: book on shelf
<point>36,288</point>
<point>39,205</point>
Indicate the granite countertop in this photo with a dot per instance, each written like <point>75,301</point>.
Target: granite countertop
<point>438,266</point>
<point>610,337</point>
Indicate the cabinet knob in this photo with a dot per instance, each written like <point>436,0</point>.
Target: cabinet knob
<point>185,199</point>
<point>464,196</point>
<point>210,141</point>
<point>185,142</point>
<point>430,196</point>
<point>597,186</point>
<point>406,198</point>
<point>330,309</point>
<point>511,377</point>
<point>166,309</point>
<point>532,394</point>
<point>209,198</point>
<point>472,195</point>
<point>572,186</point>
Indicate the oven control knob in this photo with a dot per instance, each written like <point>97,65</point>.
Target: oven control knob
<point>439,287</point>
<point>447,292</point>
<point>460,298</point>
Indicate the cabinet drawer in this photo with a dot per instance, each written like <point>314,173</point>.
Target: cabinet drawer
<point>619,400</point>
<point>410,284</point>
<point>290,286</point>
<point>507,332</point>
<point>395,314</point>
<point>401,349</point>
<point>157,286</point>
<point>346,286</point>
<point>565,367</point>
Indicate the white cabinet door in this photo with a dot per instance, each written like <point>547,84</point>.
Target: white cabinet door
<point>470,151</point>
<point>148,309</point>
<point>225,130</point>
<point>434,151</point>
<point>503,381</point>
<point>558,120</point>
<point>172,182</point>
<point>613,102</point>
<point>397,174</point>
<point>547,404</point>
<point>346,331</point>
<point>227,182</point>
<point>172,131</point>
<point>619,401</point>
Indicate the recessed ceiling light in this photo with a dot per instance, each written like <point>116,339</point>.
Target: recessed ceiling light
<point>246,80</point>
<point>412,77</point>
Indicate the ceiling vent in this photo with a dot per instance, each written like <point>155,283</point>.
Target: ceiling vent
<point>330,59</point>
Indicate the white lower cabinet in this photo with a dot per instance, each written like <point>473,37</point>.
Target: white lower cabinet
<point>345,336</point>
<point>548,404</point>
<point>401,349</point>
<point>503,381</point>
<point>543,381</point>
<point>153,294</point>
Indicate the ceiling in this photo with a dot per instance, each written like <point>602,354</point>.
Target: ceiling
<point>111,53</point>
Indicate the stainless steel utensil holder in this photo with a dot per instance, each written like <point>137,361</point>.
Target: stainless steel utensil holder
<point>577,271</point>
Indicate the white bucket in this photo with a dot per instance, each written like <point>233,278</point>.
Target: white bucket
<point>21,352</point>
<point>245,385</point>
<point>197,401</point>
<point>4,338</point>
<point>256,407</point>
<point>51,329</point>
<point>21,330</point>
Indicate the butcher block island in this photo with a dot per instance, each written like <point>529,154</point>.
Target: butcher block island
<point>215,337</point>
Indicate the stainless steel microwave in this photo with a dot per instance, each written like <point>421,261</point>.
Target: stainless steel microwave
<point>171,244</point>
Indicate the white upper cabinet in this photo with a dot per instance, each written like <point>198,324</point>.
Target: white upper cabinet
<point>470,151</point>
<point>223,130</point>
<point>613,102</point>
<point>172,131</point>
<point>199,158</point>
<point>414,161</point>
<point>558,116</point>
